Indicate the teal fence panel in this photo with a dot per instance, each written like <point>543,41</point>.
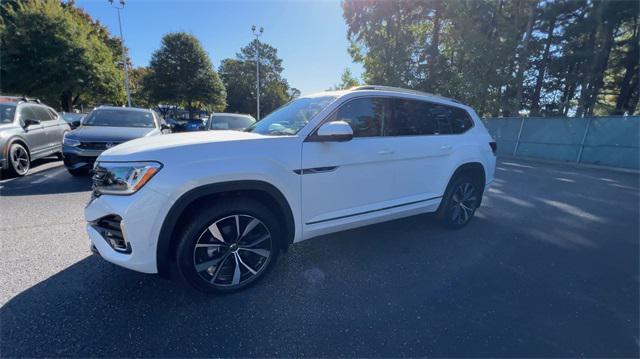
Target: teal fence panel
<point>505,132</point>
<point>608,141</point>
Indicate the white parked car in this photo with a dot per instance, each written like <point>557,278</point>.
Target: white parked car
<point>221,205</point>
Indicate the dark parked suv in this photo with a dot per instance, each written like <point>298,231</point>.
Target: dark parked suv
<point>28,131</point>
<point>106,127</point>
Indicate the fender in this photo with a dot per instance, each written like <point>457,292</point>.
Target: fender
<point>12,140</point>
<point>163,252</point>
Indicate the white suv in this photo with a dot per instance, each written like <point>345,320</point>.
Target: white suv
<point>220,205</point>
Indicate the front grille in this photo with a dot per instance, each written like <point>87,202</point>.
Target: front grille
<point>97,146</point>
<point>110,229</point>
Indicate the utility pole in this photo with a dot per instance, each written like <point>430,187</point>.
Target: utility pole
<point>257,34</point>
<point>124,55</point>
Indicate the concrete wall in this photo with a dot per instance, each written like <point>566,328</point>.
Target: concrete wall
<point>607,141</point>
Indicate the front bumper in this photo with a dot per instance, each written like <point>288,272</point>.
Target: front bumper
<point>142,215</point>
<point>76,158</point>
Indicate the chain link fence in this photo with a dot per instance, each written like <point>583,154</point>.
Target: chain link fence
<point>607,141</point>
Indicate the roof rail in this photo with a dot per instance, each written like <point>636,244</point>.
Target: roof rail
<point>398,89</point>
<point>26,99</point>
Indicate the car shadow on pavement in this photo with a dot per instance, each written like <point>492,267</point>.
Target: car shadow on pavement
<point>53,180</point>
<point>405,287</point>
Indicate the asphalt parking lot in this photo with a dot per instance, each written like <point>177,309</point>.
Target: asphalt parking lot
<point>548,268</point>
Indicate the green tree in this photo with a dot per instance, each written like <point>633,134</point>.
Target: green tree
<point>139,93</point>
<point>347,80</point>
<point>563,57</point>
<point>180,72</point>
<point>54,51</point>
<point>239,77</point>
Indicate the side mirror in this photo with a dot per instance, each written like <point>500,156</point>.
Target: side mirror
<point>75,123</point>
<point>336,131</point>
<point>30,121</point>
<point>165,127</point>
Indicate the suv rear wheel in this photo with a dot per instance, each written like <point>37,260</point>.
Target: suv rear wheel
<point>459,204</point>
<point>228,247</point>
<point>19,161</point>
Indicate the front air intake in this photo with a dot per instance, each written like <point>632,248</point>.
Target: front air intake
<point>110,228</point>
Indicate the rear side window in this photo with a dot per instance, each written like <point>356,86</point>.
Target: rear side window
<point>450,120</point>
<point>410,118</point>
<point>365,116</point>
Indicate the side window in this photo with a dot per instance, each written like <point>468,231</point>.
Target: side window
<point>365,116</point>
<point>451,120</point>
<point>26,112</point>
<point>42,113</point>
<point>460,121</point>
<point>410,118</point>
<point>441,115</point>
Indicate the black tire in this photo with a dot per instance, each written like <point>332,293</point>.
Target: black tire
<point>78,172</point>
<point>460,201</point>
<point>19,160</point>
<point>235,262</point>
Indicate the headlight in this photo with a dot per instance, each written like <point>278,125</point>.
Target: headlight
<point>122,178</point>
<point>67,141</point>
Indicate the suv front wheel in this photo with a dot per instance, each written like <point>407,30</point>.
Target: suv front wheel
<point>19,161</point>
<point>229,246</point>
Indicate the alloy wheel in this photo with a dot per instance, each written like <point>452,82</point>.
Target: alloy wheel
<point>19,160</point>
<point>463,203</point>
<point>233,251</point>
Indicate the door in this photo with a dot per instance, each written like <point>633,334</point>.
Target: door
<point>34,134</point>
<point>422,162</point>
<point>51,127</point>
<point>342,181</point>
<point>57,132</point>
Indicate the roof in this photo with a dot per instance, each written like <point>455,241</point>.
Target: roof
<point>384,89</point>
<point>17,99</point>
<point>401,90</point>
<point>109,107</point>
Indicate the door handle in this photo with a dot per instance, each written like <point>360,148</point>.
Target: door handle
<point>385,152</point>
<point>445,147</point>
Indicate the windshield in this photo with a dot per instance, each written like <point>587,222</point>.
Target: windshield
<point>6,113</point>
<point>119,118</point>
<point>292,117</point>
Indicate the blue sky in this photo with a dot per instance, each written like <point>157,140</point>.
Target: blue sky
<point>311,36</point>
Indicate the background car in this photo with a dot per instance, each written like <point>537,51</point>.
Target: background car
<point>188,125</point>
<point>73,119</point>
<point>230,121</point>
<point>106,127</point>
<point>29,130</point>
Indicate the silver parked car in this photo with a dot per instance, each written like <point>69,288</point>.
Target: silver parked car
<point>230,121</point>
<point>28,131</point>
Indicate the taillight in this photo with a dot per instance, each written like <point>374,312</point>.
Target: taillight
<point>494,147</point>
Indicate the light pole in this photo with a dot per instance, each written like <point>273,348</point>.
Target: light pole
<point>124,56</point>
<point>257,34</point>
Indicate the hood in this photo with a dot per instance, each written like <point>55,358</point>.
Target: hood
<point>175,140</point>
<point>104,133</point>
